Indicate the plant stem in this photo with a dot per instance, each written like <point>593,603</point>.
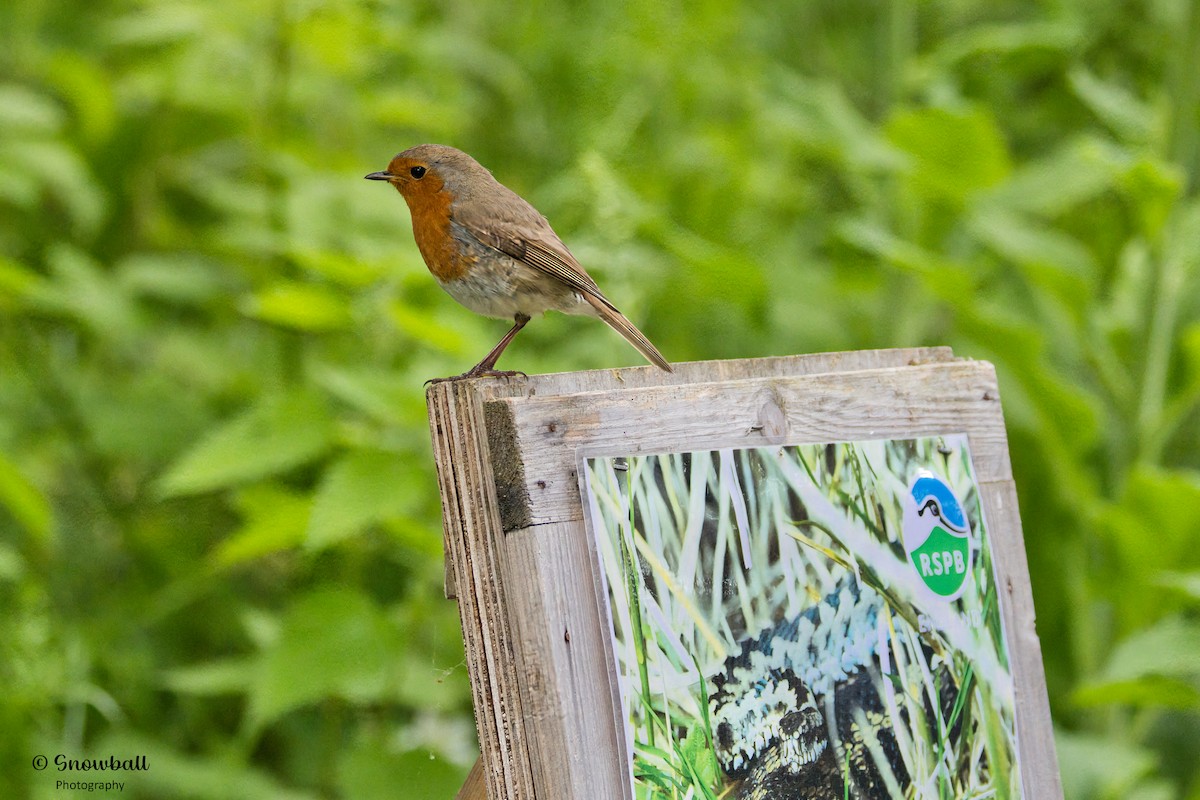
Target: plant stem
<point>629,563</point>
<point>1172,275</point>
<point>1184,145</point>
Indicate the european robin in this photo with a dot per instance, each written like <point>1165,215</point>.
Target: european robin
<point>492,251</point>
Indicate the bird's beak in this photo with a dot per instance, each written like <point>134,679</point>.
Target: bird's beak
<point>380,176</point>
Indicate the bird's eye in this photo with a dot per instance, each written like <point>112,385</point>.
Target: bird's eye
<point>417,172</point>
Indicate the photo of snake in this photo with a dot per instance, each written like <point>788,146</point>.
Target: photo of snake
<point>777,637</point>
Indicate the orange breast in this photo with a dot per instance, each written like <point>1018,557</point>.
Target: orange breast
<point>431,229</point>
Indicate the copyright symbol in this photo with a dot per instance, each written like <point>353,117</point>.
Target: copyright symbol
<point>39,763</point>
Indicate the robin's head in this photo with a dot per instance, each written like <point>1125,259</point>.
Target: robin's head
<point>427,169</point>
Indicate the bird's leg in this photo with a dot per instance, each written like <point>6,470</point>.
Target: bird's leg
<point>487,366</point>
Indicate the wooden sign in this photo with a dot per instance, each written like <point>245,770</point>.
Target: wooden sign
<point>771,578</point>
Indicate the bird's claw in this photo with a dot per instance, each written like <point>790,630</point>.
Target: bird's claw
<point>479,373</point>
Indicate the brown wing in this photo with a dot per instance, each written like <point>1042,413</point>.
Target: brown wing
<point>516,229</point>
<point>523,234</point>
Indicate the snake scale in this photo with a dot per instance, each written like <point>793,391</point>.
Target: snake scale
<point>785,711</point>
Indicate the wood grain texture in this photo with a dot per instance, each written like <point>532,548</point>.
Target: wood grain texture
<point>561,383</point>
<point>557,682</point>
<point>475,787</point>
<point>566,678</point>
<point>521,562</point>
<point>536,439</point>
<point>689,372</point>
<point>1035,734</point>
<point>471,526</point>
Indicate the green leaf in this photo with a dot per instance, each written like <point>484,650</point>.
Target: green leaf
<point>142,420</point>
<point>372,770</point>
<point>1095,767</point>
<point>1027,241</point>
<point>12,565</point>
<point>303,306</point>
<point>1051,259</point>
<point>695,751</point>
<point>1115,105</point>
<point>84,291</point>
<point>24,501</point>
<point>17,282</point>
<point>1154,188</point>
<point>954,153</point>
<point>275,520</point>
<point>1153,527</point>
<point>52,166</point>
<point>1148,691</point>
<point>26,111</point>
<point>227,676</point>
<point>386,396</point>
<point>821,116</point>
<point>723,295</point>
<point>1186,582</point>
<point>156,26</point>
<point>1169,648</point>
<point>1183,242</point>
<point>333,643</point>
<point>998,39</point>
<point>88,87</point>
<point>645,771</point>
<point>1169,501</point>
<point>943,278</point>
<point>1069,176</point>
<point>183,278</point>
<point>1130,285</point>
<point>337,267</point>
<point>425,327</point>
<point>278,434</point>
<point>175,774</point>
<point>361,488</point>
<point>1157,789</point>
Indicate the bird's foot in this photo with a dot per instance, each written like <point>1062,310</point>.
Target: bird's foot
<point>477,372</point>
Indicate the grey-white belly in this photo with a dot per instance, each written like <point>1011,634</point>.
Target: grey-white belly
<point>510,288</point>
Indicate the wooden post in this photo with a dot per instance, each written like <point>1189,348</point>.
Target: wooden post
<point>474,787</point>
<point>521,564</point>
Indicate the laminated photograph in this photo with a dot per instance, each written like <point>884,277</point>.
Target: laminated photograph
<point>814,621</point>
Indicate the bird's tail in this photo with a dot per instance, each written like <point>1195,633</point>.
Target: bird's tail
<point>616,320</point>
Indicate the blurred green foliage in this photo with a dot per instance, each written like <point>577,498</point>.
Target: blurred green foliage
<point>219,528</point>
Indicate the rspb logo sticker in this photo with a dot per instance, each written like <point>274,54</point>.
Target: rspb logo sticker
<point>937,536</point>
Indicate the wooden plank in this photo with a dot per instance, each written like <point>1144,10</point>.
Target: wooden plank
<point>471,524</point>
<point>531,600</point>
<point>690,372</point>
<point>502,677</point>
<point>1035,733</point>
<point>534,440</point>
<point>439,416</point>
<point>685,373</point>
<point>562,646</point>
<point>475,787</point>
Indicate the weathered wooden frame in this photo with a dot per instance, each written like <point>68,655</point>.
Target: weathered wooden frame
<point>520,560</point>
